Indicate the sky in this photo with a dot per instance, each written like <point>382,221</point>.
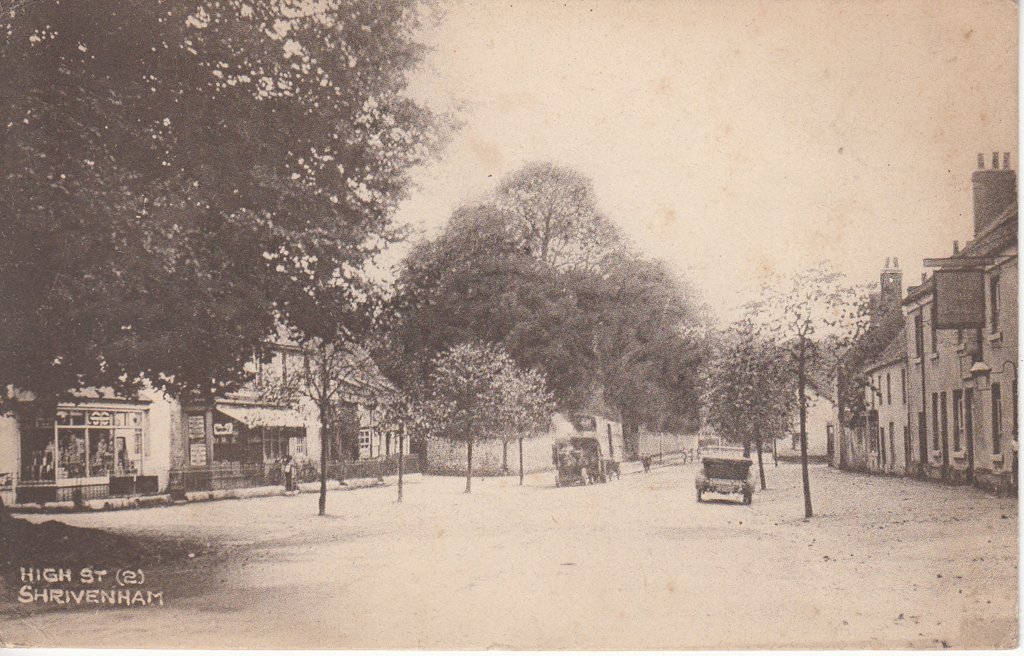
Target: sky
<point>733,139</point>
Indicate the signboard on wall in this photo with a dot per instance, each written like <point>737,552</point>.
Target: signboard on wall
<point>99,418</point>
<point>197,428</point>
<point>959,299</point>
<point>197,454</point>
<point>223,428</point>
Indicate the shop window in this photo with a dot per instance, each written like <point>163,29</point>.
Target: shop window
<point>300,445</point>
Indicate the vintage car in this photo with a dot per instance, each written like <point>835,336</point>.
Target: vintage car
<point>578,461</point>
<point>725,473</point>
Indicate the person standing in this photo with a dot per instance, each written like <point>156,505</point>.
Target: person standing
<point>289,473</point>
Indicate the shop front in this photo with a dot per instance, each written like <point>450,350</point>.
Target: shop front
<point>85,451</point>
<point>238,445</point>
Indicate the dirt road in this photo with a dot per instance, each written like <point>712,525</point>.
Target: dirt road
<point>633,564</point>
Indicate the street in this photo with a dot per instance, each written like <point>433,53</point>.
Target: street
<point>636,563</point>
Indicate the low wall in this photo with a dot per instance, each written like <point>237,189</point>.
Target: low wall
<point>652,444</point>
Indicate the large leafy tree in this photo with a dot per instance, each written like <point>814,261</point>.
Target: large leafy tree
<point>179,177</point>
<point>554,217</point>
<point>608,321</point>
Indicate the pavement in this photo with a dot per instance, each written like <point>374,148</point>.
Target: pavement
<point>633,564</point>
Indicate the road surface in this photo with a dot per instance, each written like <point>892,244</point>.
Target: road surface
<point>633,564</point>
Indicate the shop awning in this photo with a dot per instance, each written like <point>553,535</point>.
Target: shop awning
<point>263,416</point>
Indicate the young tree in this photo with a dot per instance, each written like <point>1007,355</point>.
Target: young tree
<point>750,393</point>
<point>524,407</point>
<point>335,372</point>
<point>465,396</point>
<point>815,315</point>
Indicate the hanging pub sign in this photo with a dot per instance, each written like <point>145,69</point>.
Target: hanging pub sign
<point>959,298</point>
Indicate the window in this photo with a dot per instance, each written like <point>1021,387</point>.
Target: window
<point>969,417</point>
<point>993,294</point>
<point>959,335</point>
<point>892,442</point>
<point>99,442</point>
<point>935,421</point>
<point>1015,408</point>
<point>300,445</point>
<point>881,441</point>
<point>918,335</point>
<point>997,418</point>
<point>935,332</point>
<point>888,388</point>
<point>958,417</point>
<point>945,421</point>
<point>903,385</point>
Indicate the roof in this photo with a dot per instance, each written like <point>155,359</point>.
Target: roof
<point>261,415</point>
<point>894,351</point>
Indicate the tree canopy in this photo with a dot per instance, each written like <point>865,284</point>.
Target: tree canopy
<point>179,178</point>
<point>620,325</point>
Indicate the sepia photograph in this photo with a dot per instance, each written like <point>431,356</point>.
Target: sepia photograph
<point>509,326</point>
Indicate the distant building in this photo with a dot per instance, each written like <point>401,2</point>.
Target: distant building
<point>820,418</point>
<point>874,435</point>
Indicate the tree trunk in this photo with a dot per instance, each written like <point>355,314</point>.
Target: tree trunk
<point>520,460</point>
<point>324,447</point>
<point>775,451</point>
<point>504,457</point>
<point>746,446</point>
<point>802,386</point>
<point>401,462</point>
<point>469,464</point>
<point>760,462</point>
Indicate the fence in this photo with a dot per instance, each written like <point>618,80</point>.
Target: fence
<point>46,491</point>
<point>234,475</point>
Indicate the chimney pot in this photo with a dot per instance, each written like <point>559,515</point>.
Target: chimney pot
<point>956,247</point>
<point>995,160</point>
<point>895,262</point>
<point>886,263</point>
<point>1006,160</point>
<point>981,161</point>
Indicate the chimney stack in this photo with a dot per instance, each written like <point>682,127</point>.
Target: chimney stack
<point>995,189</point>
<point>956,247</point>
<point>890,285</point>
